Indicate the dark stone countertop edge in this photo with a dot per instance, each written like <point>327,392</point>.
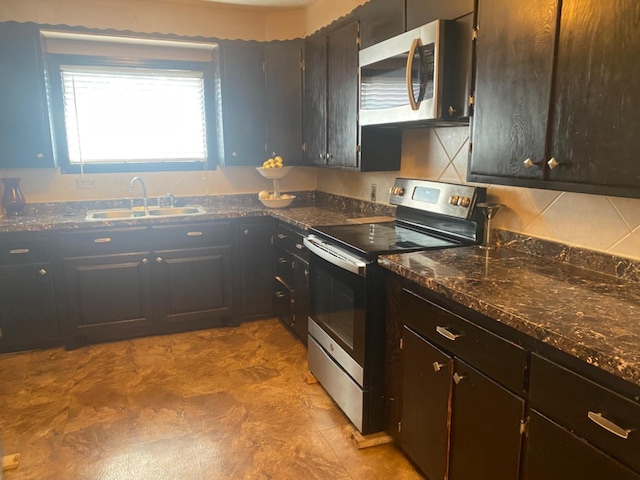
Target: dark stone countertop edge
<point>604,360</point>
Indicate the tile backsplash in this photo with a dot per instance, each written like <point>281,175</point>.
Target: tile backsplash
<point>595,222</point>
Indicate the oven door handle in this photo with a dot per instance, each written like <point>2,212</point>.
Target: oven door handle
<point>339,259</point>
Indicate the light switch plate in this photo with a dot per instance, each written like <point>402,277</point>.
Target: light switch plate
<point>85,183</point>
<point>372,194</point>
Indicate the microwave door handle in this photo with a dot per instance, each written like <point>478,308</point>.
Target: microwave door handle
<point>412,51</point>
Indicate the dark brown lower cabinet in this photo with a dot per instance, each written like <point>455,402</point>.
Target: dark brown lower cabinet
<point>108,296</point>
<point>27,307</point>
<point>193,285</point>
<point>424,432</point>
<point>554,453</point>
<point>485,428</point>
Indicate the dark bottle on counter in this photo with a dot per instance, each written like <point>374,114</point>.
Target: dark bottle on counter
<point>13,201</point>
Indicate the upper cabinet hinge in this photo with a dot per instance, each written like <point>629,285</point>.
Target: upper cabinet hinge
<point>399,427</point>
<point>474,35</point>
<point>358,149</point>
<point>358,40</point>
<point>472,99</point>
<point>524,427</point>
<point>401,343</point>
<point>304,147</point>
<point>302,65</point>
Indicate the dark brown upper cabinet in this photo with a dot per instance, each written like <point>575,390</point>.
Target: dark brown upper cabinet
<point>333,137</point>
<point>262,101</point>
<point>25,138</point>
<point>421,12</point>
<point>243,103</point>
<point>380,20</point>
<point>556,105</point>
<point>283,77</point>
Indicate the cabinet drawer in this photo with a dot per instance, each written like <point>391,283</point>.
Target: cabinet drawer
<point>299,247</point>
<point>17,252</point>
<point>283,237</point>
<point>98,242</point>
<point>495,356</point>
<point>588,409</point>
<point>284,266</point>
<point>174,236</point>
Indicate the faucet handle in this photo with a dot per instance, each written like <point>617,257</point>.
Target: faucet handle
<point>170,197</point>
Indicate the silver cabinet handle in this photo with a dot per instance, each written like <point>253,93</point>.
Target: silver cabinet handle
<point>280,294</point>
<point>40,156</point>
<point>18,251</point>
<point>42,272</point>
<point>299,246</point>
<point>194,234</point>
<point>528,163</point>
<point>446,333</point>
<point>282,236</point>
<point>246,232</point>
<point>158,259</point>
<point>553,163</point>
<point>608,425</point>
<point>101,240</point>
<point>282,260</point>
<point>234,154</point>
<point>145,260</point>
<point>458,378</point>
<point>438,366</point>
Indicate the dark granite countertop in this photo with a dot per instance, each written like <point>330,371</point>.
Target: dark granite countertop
<point>587,314</point>
<point>303,214</point>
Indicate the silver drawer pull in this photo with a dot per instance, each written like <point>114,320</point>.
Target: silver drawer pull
<point>17,251</point>
<point>42,272</point>
<point>280,294</point>
<point>282,236</point>
<point>438,366</point>
<point>608,425</point>
<point>194,234</point>
<point>299,246</point>
<point>446,333</point>
<point>282,260</point>
<point>101,240</point>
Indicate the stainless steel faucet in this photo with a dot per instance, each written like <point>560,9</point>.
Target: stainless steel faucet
<point>145,203</point>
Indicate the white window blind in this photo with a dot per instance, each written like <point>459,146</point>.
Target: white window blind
<point>128,114</point>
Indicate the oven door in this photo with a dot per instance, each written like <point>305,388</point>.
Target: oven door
<point>337,313</point>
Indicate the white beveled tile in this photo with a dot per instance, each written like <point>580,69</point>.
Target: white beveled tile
<point>461,161</point>
<point>629,209</point>
<point>436,160</point>
<point>538,228</point>
<point>518,211</point>
<point>452,138</point>
<point>628,247</point>
<point>543,198</point>
<point>450,175</point>
<point>585,220</point>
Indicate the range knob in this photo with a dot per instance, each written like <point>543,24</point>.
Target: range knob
<point>464,201</point>
<point>398,191</point>
<point>453,199</point>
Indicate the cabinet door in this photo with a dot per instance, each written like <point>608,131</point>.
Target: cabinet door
<point>426,379</point>
<point>25,139</point>
<point>193,285</point>
<point>283,62</point>
<point>380,20</point>
<point>28,314</point>
<point>108,296</point>
<point>256,268</point>
<point>596,106</point>
<point>315,99</point>
<point>513,85</point>
<point>485,428</point>
<point>553,453</point>
<point>243,103</point>
<point>342,91</point>
<point>300,317</point>
<point>420,12</point>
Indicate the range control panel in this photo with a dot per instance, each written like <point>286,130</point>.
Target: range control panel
<point>437,197</point>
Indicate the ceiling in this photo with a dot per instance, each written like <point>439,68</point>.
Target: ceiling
<point>268,3</point>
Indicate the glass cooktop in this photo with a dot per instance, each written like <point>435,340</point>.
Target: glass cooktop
<point>374,239</point>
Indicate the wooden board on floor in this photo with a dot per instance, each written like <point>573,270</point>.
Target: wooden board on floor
<point>373,440</point>
<point>10,462</point>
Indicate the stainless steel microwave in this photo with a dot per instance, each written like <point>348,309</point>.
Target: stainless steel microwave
<point>419,77</point>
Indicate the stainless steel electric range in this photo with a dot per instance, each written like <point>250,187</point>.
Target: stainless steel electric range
<point>346,287</point>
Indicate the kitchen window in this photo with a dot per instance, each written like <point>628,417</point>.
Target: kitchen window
<point>134,111</point>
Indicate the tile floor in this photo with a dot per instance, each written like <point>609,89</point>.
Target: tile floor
<point>227,403</point>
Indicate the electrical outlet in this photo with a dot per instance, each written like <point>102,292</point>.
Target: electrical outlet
<point>372,193</point>
<point>84,183</point>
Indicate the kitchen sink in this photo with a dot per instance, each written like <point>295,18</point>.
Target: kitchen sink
<point>151,213</point>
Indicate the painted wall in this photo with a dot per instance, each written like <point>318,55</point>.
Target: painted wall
<point>606,224</point>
